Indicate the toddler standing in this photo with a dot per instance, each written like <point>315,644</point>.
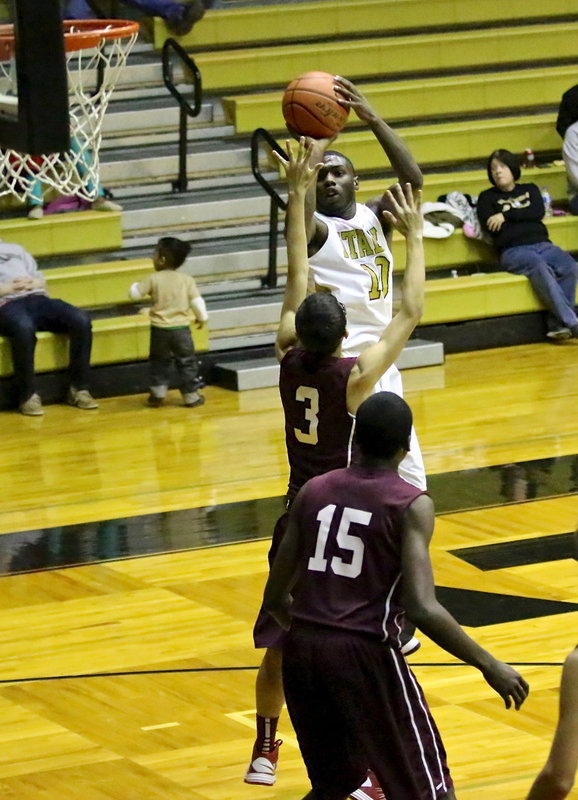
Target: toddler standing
<point>176,300</point>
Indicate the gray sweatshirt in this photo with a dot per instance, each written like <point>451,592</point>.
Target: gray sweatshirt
<point>15,262</point>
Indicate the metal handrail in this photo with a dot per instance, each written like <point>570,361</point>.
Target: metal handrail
<point>185,108</point>
<point>277,202</point>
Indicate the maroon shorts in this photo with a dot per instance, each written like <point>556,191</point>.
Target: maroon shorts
<point>355,704</point>
<point>267,633</point>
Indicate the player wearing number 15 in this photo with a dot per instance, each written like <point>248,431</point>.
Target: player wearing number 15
<point>321,392</point>
<point>355,557</point>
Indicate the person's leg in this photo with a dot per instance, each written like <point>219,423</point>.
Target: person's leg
<point>160,361</point>
<point>269,701</point>
<point>565,270</point>
<point>187,366</point>
<point>60,317</point>
<point>180,17</point>
<point>77,9</point>
<point>529,261</point>
<point>17,322</point>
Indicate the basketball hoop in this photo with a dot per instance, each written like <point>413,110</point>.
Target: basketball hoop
<point>96,52</point>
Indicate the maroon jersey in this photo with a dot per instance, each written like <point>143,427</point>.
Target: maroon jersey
<point>318,426</point>
<point>351,532</point>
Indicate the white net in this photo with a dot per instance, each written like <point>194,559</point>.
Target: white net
<point>92,75</point>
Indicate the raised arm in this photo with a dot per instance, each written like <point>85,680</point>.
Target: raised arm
<point>424,610</point>
<point>300,175</point>
<point>403,163</point>
<point>558,774</point>
<point>375,360</point>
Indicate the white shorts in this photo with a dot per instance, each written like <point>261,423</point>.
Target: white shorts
<point>412,468</point>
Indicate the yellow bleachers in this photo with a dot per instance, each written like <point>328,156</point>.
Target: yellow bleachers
<point>268,23</point>
<point>470,182</point>
<point>79,232</point>
<point>92,285</point>
<point>252,68</point>
<point>116,340</point>
<point>423,98</point>
<point>452,142</point>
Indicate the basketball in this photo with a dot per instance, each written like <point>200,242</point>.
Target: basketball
<point>311,107</point>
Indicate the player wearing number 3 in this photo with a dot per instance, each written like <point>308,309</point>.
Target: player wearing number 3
<point>355,558</point>
<point>349,245</point>
<point>321,392</point>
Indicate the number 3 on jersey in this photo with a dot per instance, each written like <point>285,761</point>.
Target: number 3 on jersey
<point>310,395</point>
<point>346,541</point>
<point>379,274</point>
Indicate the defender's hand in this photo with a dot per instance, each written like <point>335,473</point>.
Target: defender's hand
<point>405,215</point>
<point>508,683</point>
<point>298,168</point>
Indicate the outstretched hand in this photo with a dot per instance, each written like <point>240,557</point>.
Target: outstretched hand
<point>298,168</point>
<point>508,683</point>
<point>405,215</point>
<point>351,97</point>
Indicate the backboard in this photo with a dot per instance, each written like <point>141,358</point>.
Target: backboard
<point>34,114</point>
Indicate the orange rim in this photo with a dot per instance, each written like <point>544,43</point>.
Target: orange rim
<point>79,34</point>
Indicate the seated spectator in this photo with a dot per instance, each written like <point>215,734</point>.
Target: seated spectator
<point>179,16</point>
<point>176,300</point>
<point>511,213</point>
<point>567,127</point>
<point>25,308</point>
<point>557,776</point>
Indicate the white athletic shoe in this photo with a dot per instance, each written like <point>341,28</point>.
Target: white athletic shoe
<point>263,766</point>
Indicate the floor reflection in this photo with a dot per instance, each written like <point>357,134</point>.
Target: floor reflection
<point>170,531</point>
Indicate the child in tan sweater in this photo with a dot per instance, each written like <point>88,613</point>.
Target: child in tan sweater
<point>176,300</point>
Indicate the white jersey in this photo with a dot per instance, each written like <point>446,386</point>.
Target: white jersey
<point>356,265</point>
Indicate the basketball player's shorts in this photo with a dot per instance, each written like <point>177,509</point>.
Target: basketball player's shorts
<point>412,468</point>
<point>267,633</point>
<point>355,704</point>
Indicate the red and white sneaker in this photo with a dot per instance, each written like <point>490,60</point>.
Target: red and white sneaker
<point>263,766</point>
<point>369,789</point>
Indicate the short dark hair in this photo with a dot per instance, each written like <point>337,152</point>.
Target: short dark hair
<point>508,158</point>
<point>340,155</point>
<point>173,250</point>
<point>320,323</point>
<point>383,425</point>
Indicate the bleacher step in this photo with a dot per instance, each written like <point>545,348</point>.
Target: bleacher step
<point>263,373</point>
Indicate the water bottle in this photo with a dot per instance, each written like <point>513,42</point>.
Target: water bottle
<point>547,198</point>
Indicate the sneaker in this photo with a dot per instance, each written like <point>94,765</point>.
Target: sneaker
<point>154,401</point>
<point>191,13</point>
<point>193,399</point>
<point>81,398</point>
<point>103,204</point>
<point>574,331</point>
<point>369,789</point>
<point>36,212</point>
<point>558,334</point>
<point>263,766</point>
<point>32,407</point>
<point>411,646</point>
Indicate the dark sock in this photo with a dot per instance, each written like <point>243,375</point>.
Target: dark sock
<point>266,730</point>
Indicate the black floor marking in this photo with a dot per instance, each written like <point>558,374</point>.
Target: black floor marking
<point>537,550</point>
<point>228,523</point>
<point>476,609</point>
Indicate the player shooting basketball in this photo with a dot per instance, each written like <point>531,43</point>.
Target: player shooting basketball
<point>321,392</point>
<point>349,244</point>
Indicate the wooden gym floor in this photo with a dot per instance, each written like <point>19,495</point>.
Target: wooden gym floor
<point>130,675</point>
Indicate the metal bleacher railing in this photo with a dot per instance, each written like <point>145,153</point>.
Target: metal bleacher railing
<point>277,202</point>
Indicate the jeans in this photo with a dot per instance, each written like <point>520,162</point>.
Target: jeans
<point>19,321</point>
<point>168,344</point>
<point>552,273</point>
<point>167,9</point>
